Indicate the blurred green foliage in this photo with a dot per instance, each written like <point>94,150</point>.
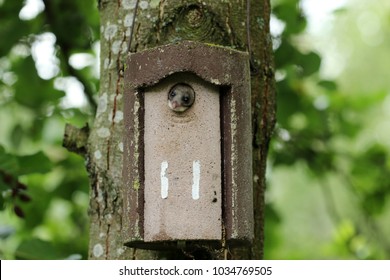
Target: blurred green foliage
<point>328,187</point>
<point>44,188</point>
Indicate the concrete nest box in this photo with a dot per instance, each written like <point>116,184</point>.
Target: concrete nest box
<point>187,166</point>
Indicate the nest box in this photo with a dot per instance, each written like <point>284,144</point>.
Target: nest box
<point>187,174</point>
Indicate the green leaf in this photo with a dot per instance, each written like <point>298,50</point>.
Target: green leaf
<point>310,63</point>
<point>291,14</point>
<point>36,163</point>
<point>286,54</point>
<point>328,85</point>
<point>2,201</point>
<point>8,162</point>
<point>17,134</point>
<point>12,29</point>
<point>36,249</point>
<point>32,91</point>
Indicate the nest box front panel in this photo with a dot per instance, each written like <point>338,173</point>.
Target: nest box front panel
<point>182,157</point>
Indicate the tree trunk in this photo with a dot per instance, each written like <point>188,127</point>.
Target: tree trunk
<point>160,22</point>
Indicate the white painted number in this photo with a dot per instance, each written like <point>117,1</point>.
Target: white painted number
<point>164,180</point>
<point>195,179</point>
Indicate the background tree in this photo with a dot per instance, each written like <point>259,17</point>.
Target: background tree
<point>329,159</point>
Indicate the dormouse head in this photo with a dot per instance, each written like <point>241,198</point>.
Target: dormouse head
<point>181,97</point>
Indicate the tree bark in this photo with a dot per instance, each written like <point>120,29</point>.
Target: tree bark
<point>159,22</point>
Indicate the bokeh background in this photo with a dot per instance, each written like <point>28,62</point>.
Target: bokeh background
<point>328,170</point>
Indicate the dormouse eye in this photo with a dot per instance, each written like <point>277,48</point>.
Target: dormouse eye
<point>185,99</point>
<point>172,94</point>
